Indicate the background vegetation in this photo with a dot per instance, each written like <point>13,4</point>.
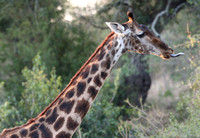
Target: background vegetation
<point>40,52</point>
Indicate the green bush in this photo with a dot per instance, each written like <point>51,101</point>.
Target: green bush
<point>39,91</point>
<point>190,103</point>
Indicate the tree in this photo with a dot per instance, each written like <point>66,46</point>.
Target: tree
<point>27,27</point>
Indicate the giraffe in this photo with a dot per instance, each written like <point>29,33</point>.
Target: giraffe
<point>62,117</point>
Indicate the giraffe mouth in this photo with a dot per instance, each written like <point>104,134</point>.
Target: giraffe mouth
<point>167,56</point>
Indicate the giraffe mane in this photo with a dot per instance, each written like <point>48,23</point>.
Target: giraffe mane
<point>54,101</point>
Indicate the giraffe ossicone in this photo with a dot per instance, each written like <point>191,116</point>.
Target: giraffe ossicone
<point>62,117</point>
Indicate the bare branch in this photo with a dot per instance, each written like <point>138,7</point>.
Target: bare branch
<point>126,3</point>
<point>178,8</point>
<point>36,11</point>
<point>158,16</point>
<point>109,6</point>
<point>92,23</point>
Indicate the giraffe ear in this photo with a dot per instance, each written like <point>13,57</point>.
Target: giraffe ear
<point>116,27</point>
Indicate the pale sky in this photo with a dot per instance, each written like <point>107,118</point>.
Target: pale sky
<point>82,3</point>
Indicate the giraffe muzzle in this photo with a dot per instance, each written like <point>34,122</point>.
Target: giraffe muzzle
<point>176,55</point>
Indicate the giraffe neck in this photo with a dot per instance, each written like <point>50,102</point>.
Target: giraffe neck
<point>67,111</point>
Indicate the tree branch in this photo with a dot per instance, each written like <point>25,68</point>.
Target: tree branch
<point>178,8</point>
<point>158,16</point>
<point>92,23</point>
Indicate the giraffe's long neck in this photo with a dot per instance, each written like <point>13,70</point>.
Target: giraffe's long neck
<point>66,113</point>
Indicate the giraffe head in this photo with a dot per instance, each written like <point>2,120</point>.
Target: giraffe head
<point>138,38</point>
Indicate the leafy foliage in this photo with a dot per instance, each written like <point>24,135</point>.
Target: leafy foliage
<point>38,92</point>
<point>190,103</point>
<point>29,27</point>
<point>25,29</point>
<point>187,123</point>
<point>38,88</point>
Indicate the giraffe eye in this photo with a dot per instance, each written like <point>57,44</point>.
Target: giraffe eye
<point>141,35</point>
